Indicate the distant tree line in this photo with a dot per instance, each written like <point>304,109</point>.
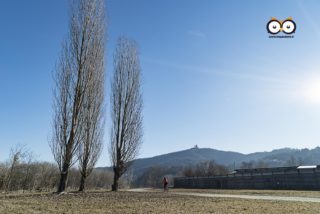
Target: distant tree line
<point>23,172</point>
<point>152,176</point>
<point>206,168</point>
<point>283,162</point>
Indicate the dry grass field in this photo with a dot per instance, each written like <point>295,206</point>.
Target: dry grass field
<point>144,202</point>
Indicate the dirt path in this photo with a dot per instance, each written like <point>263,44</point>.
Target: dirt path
<point>252,197</point>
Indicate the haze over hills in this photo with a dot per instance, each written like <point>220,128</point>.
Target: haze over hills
<point>193,156</point>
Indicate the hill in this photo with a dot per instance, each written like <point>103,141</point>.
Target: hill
<point>180,159</point>
<point>188,157</point>
<point>279,157</point>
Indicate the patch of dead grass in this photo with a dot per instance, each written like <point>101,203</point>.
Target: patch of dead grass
<point>146,202</point>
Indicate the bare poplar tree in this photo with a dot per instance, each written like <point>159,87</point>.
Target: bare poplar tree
<point>91,144</point>
<point>80,56</point>
<point>126,108</point>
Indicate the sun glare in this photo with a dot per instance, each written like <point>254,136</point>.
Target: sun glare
<point>311,90</point>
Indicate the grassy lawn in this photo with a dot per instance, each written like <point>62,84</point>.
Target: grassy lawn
<point>148,202</point>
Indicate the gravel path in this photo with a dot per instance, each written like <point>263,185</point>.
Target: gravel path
<point>253,197</point>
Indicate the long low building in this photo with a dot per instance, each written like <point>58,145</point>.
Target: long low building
<point>293,178</point>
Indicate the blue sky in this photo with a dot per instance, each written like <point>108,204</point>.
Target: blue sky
<point>211,74</point>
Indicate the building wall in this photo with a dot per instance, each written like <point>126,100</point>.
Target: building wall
<point>306,180</point>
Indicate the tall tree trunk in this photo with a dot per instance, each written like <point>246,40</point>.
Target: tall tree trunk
<point>82,183</point>
<point>63,182</point>
<point>63,178</point>
<point>116,176</point>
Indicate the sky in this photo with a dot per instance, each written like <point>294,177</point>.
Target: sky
<point>212,77</point>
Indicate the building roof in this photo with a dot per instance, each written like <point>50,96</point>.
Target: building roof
<point>307,167</point>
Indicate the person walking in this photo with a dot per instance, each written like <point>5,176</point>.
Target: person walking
<point>165,184</point>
